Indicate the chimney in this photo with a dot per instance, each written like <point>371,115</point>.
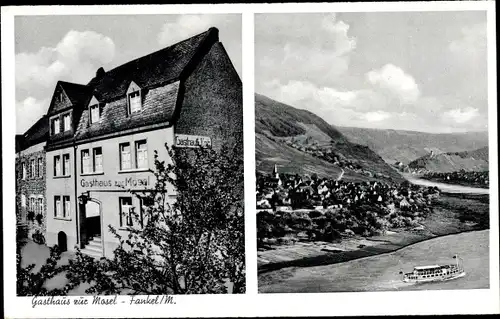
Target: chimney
<point>100,73</point>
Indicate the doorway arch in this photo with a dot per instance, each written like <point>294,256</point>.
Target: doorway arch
<point>62,241</point>
<point>93,218</point>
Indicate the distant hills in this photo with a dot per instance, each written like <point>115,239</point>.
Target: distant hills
<point>407,146</point>
<point>298,141</point>
<point>476,160</point>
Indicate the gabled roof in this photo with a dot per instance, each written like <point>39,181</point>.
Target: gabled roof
<point>37,133</point>
<point>161,71</point>
<point>159,67</point>
<point>74,95</point>
<point>77,93</point>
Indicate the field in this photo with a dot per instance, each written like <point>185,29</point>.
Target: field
<point>452,214</point>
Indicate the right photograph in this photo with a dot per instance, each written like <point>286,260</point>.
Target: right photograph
<point>372,163</point>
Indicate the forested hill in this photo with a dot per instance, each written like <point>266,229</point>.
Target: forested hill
<point>299,141</point>
<point>406,146</point>
<point>476,160</point>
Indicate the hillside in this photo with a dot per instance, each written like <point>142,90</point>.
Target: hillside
<point>299,141</point>
<point>406,146</point>
<point>476,160</point>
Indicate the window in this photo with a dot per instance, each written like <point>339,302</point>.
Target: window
<point>23,200</point>
<point>32,204</point>
<point>125,211</point>
<point>86,165</point>
<point>141,154</point>
<point>134,100</point>
<point>97,159</point>
<point>32,168</point>
<point>144,203</point>
<point>39,205</point>
<point>24,170</point>
<point>40,167</point>
<point>55,126</point>
<point>125,162</point>
<point>66,122</point>
<point>57,165</point>
<point>66,171</point>
<point>66,207</point>
<point>57,206</point>
<point>94,113</point>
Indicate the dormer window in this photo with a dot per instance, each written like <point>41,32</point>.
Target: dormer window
<point>55,126</point>
<point>94,114</point>
<point>66,122</point>
<point>134,100</point>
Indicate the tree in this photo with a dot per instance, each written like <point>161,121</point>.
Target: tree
<point>30,282</point>
<point>193,245</point>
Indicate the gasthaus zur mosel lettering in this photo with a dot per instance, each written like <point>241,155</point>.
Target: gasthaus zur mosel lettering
<point>101,136</point>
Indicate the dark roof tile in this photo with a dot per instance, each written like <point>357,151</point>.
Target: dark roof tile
<point>158,67</point>
<point>158,107</point>
<point>37,133</point>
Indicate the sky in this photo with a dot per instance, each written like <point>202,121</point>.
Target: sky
<point>418,71</point>
<point>72,48</point>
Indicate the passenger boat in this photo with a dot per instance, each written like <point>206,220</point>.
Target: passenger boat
<point>431,273</point>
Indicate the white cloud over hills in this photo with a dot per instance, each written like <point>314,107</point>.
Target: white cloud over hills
<point>327,65</point>
<point>75,59</point>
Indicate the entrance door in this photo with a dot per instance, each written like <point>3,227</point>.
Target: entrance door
<point>93,219</point>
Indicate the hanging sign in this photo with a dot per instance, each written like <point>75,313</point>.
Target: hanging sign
<point>193,141</point>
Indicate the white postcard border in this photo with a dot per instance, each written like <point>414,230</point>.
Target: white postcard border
<point>252,303</point>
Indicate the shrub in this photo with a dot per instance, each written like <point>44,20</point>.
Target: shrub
<point>39,218</point>
<point>38,237</point>
<point>31,215</point>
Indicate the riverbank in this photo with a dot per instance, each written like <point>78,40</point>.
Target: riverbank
<point>454,182</point>
<point>381,272</point>
<point>448,188</point>
<point>453,213</point>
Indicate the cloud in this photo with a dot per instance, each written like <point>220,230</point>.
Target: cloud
<point>395,80</point>
<point>302,47</point>
<point>75,59</point>
<point>461,116</point>
<point>472,44</point>
<point>184,27</point>
<point>181,27</point>
<point>28,112</point>
<point>376,116</point>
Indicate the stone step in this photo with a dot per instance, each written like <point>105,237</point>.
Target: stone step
<point>94,245</point>
<point>91,253</point>
<point>95,239</point>
<point>96,249</point>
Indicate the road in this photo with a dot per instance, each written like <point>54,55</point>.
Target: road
<point>341,175</point>
<point>449,188</point>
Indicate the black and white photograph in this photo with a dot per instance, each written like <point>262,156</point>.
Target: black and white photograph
<point>372,162</point>
<point>249,159</point>
<point>129,155</point>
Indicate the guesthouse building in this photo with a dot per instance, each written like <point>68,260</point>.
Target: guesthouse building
<point>103,136</point>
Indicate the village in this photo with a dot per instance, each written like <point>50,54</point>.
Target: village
<point>327,153</point>
<point>352,208</point>
<point>474,179</point>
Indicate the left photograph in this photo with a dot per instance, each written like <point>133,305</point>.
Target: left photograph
<point>129,155</point>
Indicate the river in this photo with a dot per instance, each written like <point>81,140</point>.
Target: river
<point>449,188</point>
<point>381,272</point>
